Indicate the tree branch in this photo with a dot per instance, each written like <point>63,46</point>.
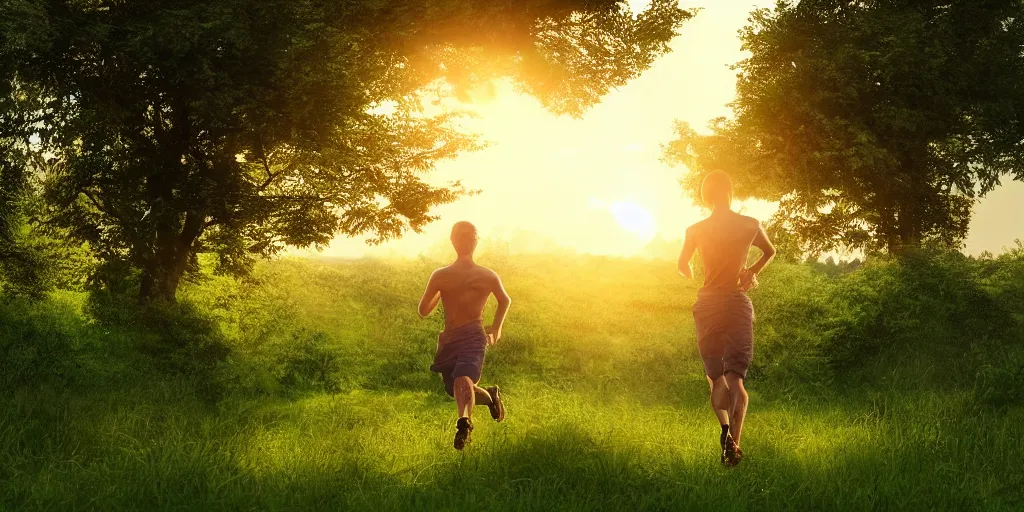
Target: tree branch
<point>270,177</point>
<point>318,199</point>
<point>95,202</point>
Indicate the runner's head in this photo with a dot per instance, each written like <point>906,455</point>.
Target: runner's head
<point>464,238</point>
<point>716,190</point>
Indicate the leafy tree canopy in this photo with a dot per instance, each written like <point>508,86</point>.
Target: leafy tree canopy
<point>20,266</point>
<point>240,127</point>
<point>875,124</point>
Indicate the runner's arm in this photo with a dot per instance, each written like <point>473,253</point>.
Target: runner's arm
<point>689,247</point>
<point>504,301</point>
<point>762,242</point>
<point>430,296</point>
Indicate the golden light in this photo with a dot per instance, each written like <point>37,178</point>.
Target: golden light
<point>542,174</point>
<point>635,219</point>
<point>594,185</point>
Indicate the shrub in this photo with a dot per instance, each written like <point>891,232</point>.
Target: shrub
<point>310,363</point>
<point>36,346</point>
<point>792,308</point>
<point>933,302</point>
<point>932,318</point>
<point>270,352</point>
<point>180,339</point>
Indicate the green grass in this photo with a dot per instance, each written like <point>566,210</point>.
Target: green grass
<point>326,403</point>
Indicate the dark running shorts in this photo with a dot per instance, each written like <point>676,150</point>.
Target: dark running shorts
<point>725,332</point>
<point>460,353</point>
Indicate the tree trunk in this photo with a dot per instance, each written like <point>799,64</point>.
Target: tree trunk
<point>906,232</point>
<point>174,247</point>
<point>160,280</point>
<point>913,195</point>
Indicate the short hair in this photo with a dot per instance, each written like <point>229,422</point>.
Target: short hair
<point>464,237</point>
<point>716,189</point>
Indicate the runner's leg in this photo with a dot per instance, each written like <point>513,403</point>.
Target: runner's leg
<point>465,396</point>
<point>482,396</point>
<point>739,404</point>
<point>720,401</point>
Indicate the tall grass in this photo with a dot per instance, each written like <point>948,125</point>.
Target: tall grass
<point>895,386</point>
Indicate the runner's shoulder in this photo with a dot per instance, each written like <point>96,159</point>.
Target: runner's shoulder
<point>484,271</point>
<point>750,221</point>
<point>444,273</point>
<point>697,228</point>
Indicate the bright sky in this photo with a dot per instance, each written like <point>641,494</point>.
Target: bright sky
<point>596,184</point>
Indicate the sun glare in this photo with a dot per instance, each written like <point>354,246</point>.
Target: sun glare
<point>596,184</point>
<point>635,219</point>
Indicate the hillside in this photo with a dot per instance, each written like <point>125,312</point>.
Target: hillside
<point>894,386</point>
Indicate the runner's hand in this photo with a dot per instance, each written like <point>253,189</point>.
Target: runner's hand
<point>748,280</point>
<point>493,334</point>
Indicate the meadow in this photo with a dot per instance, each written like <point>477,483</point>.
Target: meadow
<point>887,386</point>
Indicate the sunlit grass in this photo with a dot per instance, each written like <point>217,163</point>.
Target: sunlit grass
<point>557,449</point>
<point>607,410</point>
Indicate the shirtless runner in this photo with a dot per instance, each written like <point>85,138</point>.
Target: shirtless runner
<point>723,315</point>
<point>463,288</point>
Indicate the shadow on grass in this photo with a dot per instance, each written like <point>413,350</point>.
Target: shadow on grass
<point>565,468</point>
<point>178,338</point>
<point>156,449</point>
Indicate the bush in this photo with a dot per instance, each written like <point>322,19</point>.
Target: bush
<point>179,338</point>
<point>183,339</point>
<point>792,308</point>
<point>928,318</point>
<point>33,263</point>
<point>310,363</point>
<point>270,352</point>
<point>933,302</point>
<point>36,345</point>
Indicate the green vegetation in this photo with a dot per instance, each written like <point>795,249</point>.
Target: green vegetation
<point>893,386</point>
<point>875,125</point>
<point>156,131</point>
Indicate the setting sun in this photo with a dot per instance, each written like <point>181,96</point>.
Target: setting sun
<point>540,172</point>
<point>635,219</point>
<point>417,255</point>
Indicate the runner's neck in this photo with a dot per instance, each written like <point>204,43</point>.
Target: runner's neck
<point>720,209</point>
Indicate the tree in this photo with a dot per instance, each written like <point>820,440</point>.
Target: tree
<point>875,124</point>
<point>240,127</point>
<point>12,184</point>
<point>20,265</point>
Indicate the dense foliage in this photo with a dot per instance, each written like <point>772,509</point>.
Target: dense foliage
<point>233,127</point>
<point>929,320</point>
<point>875,124</point>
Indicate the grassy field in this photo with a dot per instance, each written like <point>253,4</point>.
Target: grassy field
<point>308,389</point>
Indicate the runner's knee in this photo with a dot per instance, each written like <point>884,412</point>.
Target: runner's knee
<point>463,383</point>
<point>735,382</point>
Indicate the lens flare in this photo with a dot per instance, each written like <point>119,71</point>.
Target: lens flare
<point>635,219</point>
